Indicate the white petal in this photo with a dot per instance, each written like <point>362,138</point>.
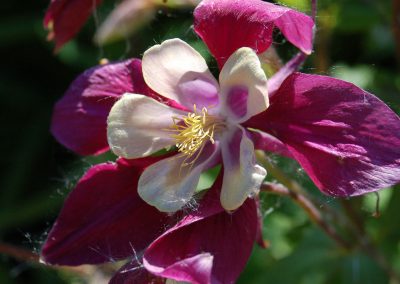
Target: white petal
<point>244,91</point>
<point>168,185</point>
<point>138,126</point>
<point>242,176</point>
<point>176,71</point>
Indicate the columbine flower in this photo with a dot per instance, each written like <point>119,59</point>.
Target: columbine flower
<point>346,139</point>
<point>139,126</point>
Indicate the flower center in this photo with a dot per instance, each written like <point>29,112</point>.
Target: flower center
<point>194,130</point>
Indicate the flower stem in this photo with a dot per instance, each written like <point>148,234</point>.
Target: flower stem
<point>309,208</point>
<point>314,10</point>
<point>365,242</point>
<point>355,224</point>
<point>25,255</point>
<point>18,253</point>
<point>272,63</point>
<point>278,174</point>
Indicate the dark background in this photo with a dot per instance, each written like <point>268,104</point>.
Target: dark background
<point>355,42</point>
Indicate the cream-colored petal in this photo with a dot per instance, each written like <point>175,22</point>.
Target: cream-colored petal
<point>176,71</point>
<point>242,73</point>
<point>125,19</point>
<point>168,185</point>
<point>242,176</point>
<point>138,126</point>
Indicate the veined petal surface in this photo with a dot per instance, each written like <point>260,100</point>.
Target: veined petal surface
<point>103,217</point>
<point>346,139</point>
<point>214,243</point>
<point>227,25</point>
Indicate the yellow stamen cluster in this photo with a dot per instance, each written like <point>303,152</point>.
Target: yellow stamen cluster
<point>193,131</point>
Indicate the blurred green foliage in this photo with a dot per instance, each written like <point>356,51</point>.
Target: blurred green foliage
<point>354,43</point>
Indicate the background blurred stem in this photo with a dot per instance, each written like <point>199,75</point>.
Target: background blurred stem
<point>314,8</point>
<point>25,255</point>
<point>309,208</point>
<point>18,253</point>
<point>278,174</point>
<point>365,242</point>
<point>290,188</point>
<point>322,42</point>
<point>271,62</point>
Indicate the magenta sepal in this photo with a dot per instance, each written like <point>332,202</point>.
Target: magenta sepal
<point>346,139</point>
<point>64,18</point>
<point>103,218</point>
<point>80,117</point>
<point>227,25</point>
<point>208,245</point>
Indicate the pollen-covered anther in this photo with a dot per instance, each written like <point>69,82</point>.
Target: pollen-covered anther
<point>194,130</point>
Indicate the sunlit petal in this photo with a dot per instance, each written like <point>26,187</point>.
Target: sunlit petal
<point>244,91</point>
<point>178,72</point>
<point>139,126</point>
<point>170,184</point>
<point>242,176</point>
